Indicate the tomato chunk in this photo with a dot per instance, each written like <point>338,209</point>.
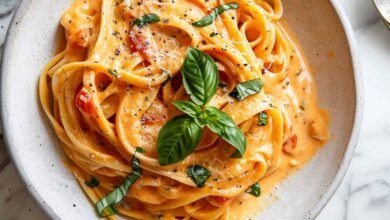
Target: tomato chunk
<point>139,43</point>
<point>290,145</point>
<point>136,44</point>
<point>84,102</point>
<point>220,200</point>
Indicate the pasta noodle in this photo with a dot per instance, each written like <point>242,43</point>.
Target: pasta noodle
<point>111,90</point>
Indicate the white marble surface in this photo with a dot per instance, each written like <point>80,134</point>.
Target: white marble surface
<point>365,191</point>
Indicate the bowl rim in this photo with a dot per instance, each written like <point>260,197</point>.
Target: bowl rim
<point>22,5</point>
<point>359,88</point>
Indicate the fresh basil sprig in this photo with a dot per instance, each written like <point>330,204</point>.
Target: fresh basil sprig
<point>146,19</point>
<point>187,107</point>
<point>200,76</point>
<point>198,174</point>
<point>105,207</point>
<point>254,190</point>
<point>180,136</point>
<point>209,19</point>
<point>263,119</point>
<point>223,125</point>
<point>177,139</point>
<point>246,89</point>
<point>92,183</point>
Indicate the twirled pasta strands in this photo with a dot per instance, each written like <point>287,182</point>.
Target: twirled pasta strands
<point>100,117</point>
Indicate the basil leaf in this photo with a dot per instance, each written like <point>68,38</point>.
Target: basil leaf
<point>200,76</point>
<point>113,72</point>
<point>213,34</point>
<point>198,174</point>
<point>263,119</point>
<point>146,19</point>
<point>246,89</point>
<point>254,190</point>
<point>108,211</point>
<point>139,150</point>
<point>105,207</point>
<point>188,107</point>
<point>223,125</point>
<point>177,139</point>
<point>92,183</point>
<point>137,171</point>
<point>209,19</point>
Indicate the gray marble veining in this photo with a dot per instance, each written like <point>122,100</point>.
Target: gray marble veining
<point>6,12</point>
<point>365,191</point>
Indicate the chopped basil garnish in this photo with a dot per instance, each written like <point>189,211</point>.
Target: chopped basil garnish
<point>198,174</point>
<point>139,150</point>
<point>179,137</point>
<point>200,76</point>
<point>146,19</point>
<point>113,72</point>
<point>92,183</point>
<point>254,190</point>
<point>263,119</point>
<point>209,19</point>
<point>213,34</point>
<point>246,89</point>
<point>105,207</point>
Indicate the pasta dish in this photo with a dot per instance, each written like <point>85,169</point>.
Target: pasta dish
<point>181,109</point>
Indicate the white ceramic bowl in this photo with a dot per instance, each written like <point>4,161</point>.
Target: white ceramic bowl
<point>320,26</point>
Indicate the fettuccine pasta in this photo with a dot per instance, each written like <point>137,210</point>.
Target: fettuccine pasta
<point>110,91</point>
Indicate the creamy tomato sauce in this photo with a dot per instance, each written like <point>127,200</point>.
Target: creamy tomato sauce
<point>114,83</point>
<point>309,124</point>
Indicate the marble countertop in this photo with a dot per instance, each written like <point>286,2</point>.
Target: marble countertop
<point>365,191</point>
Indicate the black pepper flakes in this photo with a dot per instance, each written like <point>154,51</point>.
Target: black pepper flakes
<point>117,52</point>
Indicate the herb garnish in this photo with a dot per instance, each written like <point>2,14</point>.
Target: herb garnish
<point>113,72</point>
<point>105,207</point>
<point>92,183</point>
<point>254,190</point>
<point>246,89</point>
<point>263,119</point>
<point>146,19</point>
<point>213,34</point>
<point>200,76</point>
<point>223,125</point>
<point>209,19</point>
<point>179,137</point>
<point>198,174</point>
<point>187,107</point>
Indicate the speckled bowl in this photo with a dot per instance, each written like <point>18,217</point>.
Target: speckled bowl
<point>320,26</point>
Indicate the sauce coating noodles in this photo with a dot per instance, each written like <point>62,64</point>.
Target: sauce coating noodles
<point>108,93</point>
